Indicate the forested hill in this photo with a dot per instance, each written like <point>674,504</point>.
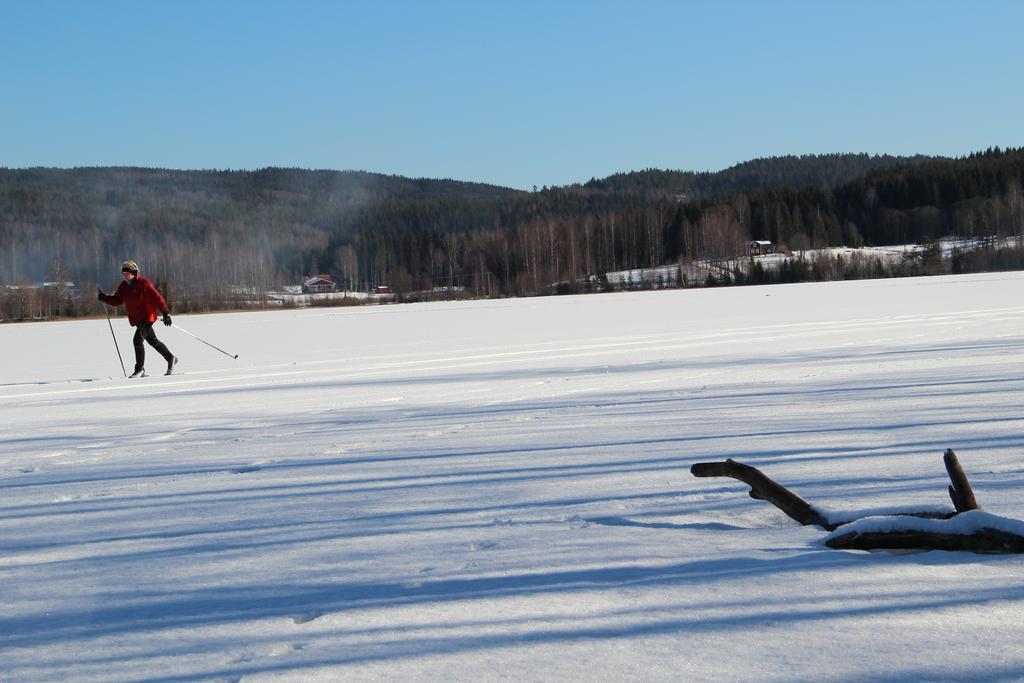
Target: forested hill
<point>294,220</point>
<point>36,190</point>
<point>794,172</point>
<point>40,191</point>
<point>209,232</point>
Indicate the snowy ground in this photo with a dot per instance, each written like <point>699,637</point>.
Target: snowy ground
<point>499,490</point>
<point>696,272</point>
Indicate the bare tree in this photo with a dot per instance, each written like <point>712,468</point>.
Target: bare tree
<point>346,265</point>
<point>1015,205</point>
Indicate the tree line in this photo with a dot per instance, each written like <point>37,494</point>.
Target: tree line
<point>225,238</point>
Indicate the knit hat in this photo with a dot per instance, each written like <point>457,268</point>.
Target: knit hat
<point>130,266</point>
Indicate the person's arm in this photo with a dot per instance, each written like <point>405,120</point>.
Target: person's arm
<point>115,299</point>
<point>156,297</point>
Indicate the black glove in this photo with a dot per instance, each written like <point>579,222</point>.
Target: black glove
<point>167,319</point>
<point>100,296</point>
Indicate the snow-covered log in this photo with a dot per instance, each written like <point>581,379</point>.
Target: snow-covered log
<point>974,531</point>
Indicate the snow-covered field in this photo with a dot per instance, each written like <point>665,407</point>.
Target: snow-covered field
<point>499,490</point>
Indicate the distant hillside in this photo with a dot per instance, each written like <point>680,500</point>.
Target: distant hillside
<point>208,234</point>
<point>793,172</point>
<point>90,218</point>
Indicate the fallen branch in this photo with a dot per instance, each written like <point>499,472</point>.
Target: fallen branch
<point>763,488</point>
<point>975,531</point>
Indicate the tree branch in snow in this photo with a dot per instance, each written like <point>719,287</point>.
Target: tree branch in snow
<point>961,491</point>
<point>974,531</point>
<point>763,488</point>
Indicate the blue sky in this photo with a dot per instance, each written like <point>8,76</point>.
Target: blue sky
<point>513,93</point>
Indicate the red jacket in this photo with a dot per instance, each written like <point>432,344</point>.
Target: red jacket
<point>141,300</point>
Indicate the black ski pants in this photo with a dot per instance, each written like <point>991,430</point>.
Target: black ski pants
<point>144,332</point>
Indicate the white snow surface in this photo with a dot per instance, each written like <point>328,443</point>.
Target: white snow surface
<point>500,490</point>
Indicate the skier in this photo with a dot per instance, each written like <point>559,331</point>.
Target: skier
<point>142,301</point>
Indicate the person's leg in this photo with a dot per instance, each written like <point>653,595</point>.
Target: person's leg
<point>161,348</point>
<point>140,350</point>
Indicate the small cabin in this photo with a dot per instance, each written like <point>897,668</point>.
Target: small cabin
<point>381,289</point>
<point>318,284</point>
<point>760,248</point>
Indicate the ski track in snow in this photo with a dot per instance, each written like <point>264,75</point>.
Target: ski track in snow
<point>501,490</point>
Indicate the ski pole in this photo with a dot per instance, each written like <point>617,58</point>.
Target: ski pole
<point>175,326</point>
<point>107,311</point>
